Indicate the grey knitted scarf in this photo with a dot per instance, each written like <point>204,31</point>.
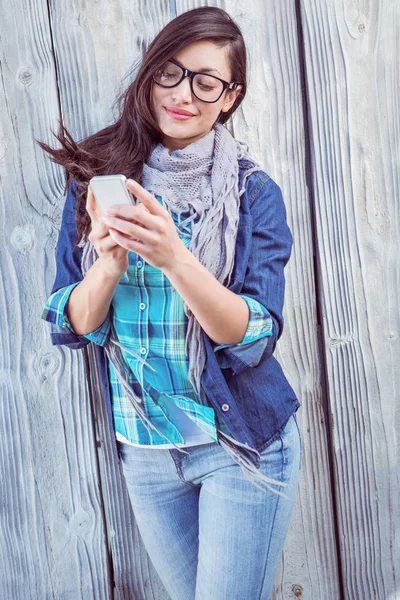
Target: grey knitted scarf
<point>203,181</point>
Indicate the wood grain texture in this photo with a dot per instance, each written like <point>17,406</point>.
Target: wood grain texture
<point>52,529</point>
<point>271,120</point>
<point>352,73</point>
<point>331,141</point>
<point>97,45</point>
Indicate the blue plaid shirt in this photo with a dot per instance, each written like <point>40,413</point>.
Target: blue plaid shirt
<point>155,329</point>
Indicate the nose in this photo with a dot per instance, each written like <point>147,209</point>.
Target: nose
<point>183,92</point>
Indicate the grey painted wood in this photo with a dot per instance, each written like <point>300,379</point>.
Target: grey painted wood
<point>352,74</point>
<point>96,45</point>
<point>133,575</point>
<point>67,527</point>
<point>52,527</point>
<point>271,120</point>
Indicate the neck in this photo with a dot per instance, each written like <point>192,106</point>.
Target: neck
<point>179,144</point>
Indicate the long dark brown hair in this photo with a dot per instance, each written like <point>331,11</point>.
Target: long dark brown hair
<point>125,146</point>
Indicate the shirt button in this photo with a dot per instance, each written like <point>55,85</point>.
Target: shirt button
<point>225,407</point>
<point>142,350</point>
<point>142,306</point>
<point>139,264</point>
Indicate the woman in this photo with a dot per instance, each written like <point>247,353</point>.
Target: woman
<point>204,417</point>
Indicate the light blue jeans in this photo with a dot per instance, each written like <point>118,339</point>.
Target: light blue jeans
<point>209,532</point>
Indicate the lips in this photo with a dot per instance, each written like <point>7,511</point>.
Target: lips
<point>179,111</point>
<point>178,114</point>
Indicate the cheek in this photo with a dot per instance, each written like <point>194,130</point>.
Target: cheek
<point>156,98</point>
<point>211,111</point>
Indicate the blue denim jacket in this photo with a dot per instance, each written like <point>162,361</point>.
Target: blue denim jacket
<point>251,394</point>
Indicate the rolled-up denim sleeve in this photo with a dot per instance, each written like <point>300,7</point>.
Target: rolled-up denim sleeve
<point>264,282</point>
<point>55,312</point>
<point>259,325</point>
<point>68,275</point>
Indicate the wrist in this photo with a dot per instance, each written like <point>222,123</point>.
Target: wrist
<point>109,268</point>
<point>182,260</point>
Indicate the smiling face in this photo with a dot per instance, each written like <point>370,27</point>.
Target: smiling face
<point>180,131</point>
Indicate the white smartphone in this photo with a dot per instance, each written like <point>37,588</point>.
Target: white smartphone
<point>109,190</point>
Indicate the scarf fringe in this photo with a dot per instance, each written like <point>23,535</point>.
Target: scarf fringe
<point>116,342</point>
<point>233,447</point>
<point>249,470</point>
<point>225,147</point>
<point>122,371</point>
<point>230,445</point>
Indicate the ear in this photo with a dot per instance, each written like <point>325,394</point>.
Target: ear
<point>230,98</point>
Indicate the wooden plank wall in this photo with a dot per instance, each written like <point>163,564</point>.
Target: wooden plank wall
<point>272,122</point>
<point>321,116</point>
<point>352,81</point>
<point>52,528</point>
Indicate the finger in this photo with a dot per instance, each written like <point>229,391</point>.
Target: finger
<point>141,206</point>
<point>98,228</point>
<point>100,237</point>
<point>90,201</point>
<point>143,217</point>
<point>150,202</point>
<point>126,242</point>
<point>129,228</point>
<point>107,243</point>
<point>131,214</point>
<point>91,205</point>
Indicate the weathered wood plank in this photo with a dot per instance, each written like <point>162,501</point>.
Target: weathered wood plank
<point>352,68</point>
<point>67,526</point>
<point>52,530</point>
<point>96,45</point>
<point>271,121</point>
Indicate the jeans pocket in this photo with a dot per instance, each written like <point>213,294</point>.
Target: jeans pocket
<point>301,439</point>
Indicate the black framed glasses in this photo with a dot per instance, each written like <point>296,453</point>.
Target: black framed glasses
<point>207,88</point>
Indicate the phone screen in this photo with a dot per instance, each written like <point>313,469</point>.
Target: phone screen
<point>109,190</point>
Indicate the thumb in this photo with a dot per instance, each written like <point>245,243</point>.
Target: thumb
<point>91,205</point>
<point>141,206</point>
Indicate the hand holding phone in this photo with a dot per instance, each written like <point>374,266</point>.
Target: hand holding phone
<point>109,190</point>
<point>116,257</point>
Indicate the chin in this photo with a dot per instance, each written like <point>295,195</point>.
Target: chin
<point>178,133</point>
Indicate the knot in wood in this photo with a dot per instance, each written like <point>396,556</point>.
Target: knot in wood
<point>23,238</point>
<point>25,76</point>
<point>297,590</point>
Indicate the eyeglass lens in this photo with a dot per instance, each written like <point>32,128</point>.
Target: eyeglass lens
<point>205,87</point>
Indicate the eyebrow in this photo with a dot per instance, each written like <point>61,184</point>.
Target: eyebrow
<point>204,70</point>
